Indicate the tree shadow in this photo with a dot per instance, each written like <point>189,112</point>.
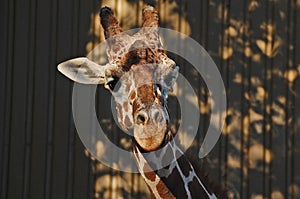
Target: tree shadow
<point>253,45</point>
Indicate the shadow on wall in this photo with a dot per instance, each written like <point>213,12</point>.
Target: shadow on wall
<point>254,45</point>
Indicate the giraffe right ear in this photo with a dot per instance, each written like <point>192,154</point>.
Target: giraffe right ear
<point>83,70</point>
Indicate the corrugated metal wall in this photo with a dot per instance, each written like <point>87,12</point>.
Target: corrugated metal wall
<point>41,155</point>
<point>254,44</point>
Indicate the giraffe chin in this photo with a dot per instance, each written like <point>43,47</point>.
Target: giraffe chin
<point>152,142</point>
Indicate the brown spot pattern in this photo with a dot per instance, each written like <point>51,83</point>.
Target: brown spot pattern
<point>109,22</point>
<point>132,95</point>
<point>164,191</point>
<point>127,121</point>
<point>143,94</point>
<point>119,110</point>
<point>135,106</point>
<point>149,175</point>
<point>126,106</point>
<point>150,18</point>
<point>127,89</point>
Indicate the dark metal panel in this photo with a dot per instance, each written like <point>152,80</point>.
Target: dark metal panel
<point>224,70</point>
<point>82,167</point>
<point>3,68</point>
<point>258,71</point>
<point>245,63</point>
<point>197,17</point>
<point>61,103</point>
<point>268,77</point>
<point>294,171</point>
<point>236,74</point>
<point>213,41</point>
<point>8,96</point>
<point>217,22</point>
<point>30,64</point>
<point>18,111</point>
<point>42,52</point>
<point>276,171</point>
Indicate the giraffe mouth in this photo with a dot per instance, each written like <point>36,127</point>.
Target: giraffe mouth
<point>168,136</point>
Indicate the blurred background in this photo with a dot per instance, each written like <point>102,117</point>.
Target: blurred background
<point>254,44</point>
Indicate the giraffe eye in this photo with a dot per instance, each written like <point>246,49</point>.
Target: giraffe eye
<point>157,89</point>
<point>113,83</point>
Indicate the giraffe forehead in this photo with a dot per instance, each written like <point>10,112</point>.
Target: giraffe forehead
<point>139,83</point>
<point>135,85</point>
<point>123,44</point>
<point>145,94</point>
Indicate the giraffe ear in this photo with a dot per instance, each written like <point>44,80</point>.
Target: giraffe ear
<point>171,77</point>
<point>83,70</point>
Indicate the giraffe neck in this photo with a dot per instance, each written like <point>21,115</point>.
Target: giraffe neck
<point>177,180</point>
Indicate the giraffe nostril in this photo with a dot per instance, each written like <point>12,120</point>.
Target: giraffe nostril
<point>157,117</point>
<point>141,118</point>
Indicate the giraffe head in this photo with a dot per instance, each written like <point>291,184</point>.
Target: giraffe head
<point>138,74</point>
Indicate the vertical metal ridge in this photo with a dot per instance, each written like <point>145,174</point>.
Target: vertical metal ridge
<point>227,84</point>
<point>4,90</point>
<point>293,123</point>
<point>266,117</point>
<point>8,99</point>
<point>51,96</point>
<point>225,20</point>
<point>287,95</point>
<point>71,129</point>
<point>271,100</point>
<point>265,102</point>
<point>290,102</point>
<point>91,175</point>
<point>202,95</point>
<point>204,37</point>
<point>247,141</point>
<point>221,172</point>
<point>29,98</point>
<point>91,181</point>
<point>243,101</point>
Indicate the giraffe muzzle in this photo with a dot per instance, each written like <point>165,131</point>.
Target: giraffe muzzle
<point>143,118</point>
<point>150,127</point>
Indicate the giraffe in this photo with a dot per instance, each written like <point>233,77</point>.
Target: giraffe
<point>139,76</point>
